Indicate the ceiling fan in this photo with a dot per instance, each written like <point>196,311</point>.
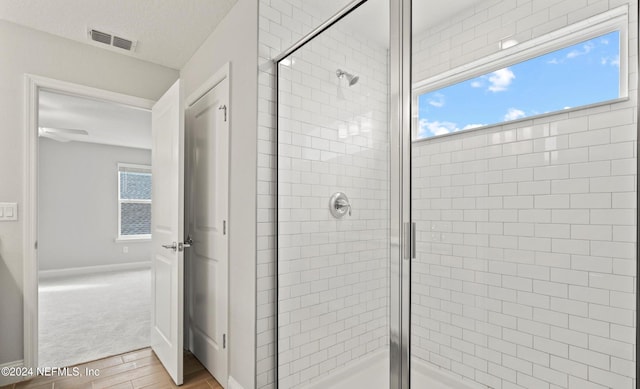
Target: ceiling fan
<point>60,134</point>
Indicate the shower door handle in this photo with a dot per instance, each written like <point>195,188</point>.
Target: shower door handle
<point>406,241</point>
<point>409,241</point>
<point>413,240</point>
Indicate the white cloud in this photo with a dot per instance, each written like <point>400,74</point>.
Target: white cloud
<point>438,101</point>
<point>500,80</point>
<point>436,127</point>
<point>555,61</point>
<point>428,128</point>
<point>616,61</point>
<point>613,61</point>
<point>513,114</point>
<point>470,126</point>
<point>476,84</point>
<point>586,49</point>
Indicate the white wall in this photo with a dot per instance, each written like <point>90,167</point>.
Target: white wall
<point>235,41</point>
<point>526,266</point>
<point>28,51</point>
<point>78,205</point>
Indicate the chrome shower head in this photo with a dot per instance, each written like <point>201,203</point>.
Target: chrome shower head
<point>352,79</point>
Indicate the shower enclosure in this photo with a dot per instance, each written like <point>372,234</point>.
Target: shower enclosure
<point>456,196</point>
<point>333,206</point>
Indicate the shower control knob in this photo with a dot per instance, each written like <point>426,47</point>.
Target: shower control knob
<point>339,205</point>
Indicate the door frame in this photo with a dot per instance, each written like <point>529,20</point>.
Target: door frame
<point>32,86</point>
<point>224,72</point>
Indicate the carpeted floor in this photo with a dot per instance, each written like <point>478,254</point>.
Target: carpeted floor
<point>87,317</point>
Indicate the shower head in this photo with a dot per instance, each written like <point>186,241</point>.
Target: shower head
<point>350,77</point>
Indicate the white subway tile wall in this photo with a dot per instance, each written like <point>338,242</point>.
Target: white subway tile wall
<point>489,236</point>
<point>526,264</point>
<point>281,23</point>
<point>332,273</point>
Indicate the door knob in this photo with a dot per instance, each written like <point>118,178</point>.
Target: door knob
<point>187,243</point>
<point>173,246</point>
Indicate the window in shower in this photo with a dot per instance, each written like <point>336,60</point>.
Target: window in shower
<point>522,83</point>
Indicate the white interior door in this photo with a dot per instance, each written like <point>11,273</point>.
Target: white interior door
<point>167,220</point>
<point>207,132</point>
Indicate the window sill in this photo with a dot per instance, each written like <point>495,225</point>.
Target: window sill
<point>514,123</point>
<point>136,239</point>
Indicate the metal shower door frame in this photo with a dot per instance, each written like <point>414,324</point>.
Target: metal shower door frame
<point>400,195</point>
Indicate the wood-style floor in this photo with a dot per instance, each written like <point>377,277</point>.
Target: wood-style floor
<point>136,369</point>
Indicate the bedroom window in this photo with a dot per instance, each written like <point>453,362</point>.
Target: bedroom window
<point>134,202</point>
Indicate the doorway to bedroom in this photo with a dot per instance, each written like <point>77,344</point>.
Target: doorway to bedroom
<point>94,236</point>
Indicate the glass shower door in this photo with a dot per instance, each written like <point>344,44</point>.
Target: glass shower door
<point>333,206</point>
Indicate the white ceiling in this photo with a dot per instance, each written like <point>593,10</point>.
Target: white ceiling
<point>168,31</point>
<point>105,122</point>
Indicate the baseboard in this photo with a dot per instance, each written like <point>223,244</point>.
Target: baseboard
<point>8,380</point>
<point>74,271</point>
<point>233,384</point>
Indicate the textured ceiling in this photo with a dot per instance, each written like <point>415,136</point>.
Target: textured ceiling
<point>168,31</point>
<point>105,122</point>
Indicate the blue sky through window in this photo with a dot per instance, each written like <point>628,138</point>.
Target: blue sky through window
<point>585,73</point>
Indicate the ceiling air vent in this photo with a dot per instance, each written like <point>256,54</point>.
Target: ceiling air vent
<point>112,40</point>
<point>122,43</point>
<point>100,36</point>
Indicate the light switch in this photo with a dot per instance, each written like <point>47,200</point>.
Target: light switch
<point>8,212</point>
